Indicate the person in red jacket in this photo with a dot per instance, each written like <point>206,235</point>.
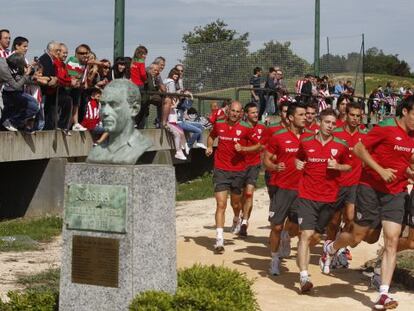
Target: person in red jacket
<point>65,83</point>
<point>138,72</point>
<point>92,120</point>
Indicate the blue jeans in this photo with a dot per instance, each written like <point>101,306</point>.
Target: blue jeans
<point>19,107</point>
<point>193,127</point>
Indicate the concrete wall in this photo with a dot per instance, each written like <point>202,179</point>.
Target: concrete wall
<point>32,167</point>
<point>16,146</point>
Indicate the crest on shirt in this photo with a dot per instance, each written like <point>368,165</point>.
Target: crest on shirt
<point>260,131</point>
<point>221,131</point>
<point>398,138</point>
<point>288,141</point>
<point>334,152</point>
<point>300,220</point>
<point>271,214</point>
<point>238,132</point>
<point>359,215</point>
<point>311,150</point>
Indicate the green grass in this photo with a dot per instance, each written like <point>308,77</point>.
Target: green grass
<point>46,280</point>
<point>202,188</point>
<point>26,233</point>
<point>405,260</point>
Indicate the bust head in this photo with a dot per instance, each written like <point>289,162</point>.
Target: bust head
<point>120,103</point>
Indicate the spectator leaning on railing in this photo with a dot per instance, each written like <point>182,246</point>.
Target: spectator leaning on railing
<point>49,89</point>
<point>65,83</point>
<point>20,109</point>
<point>76,66</point>
<point>151,85</point>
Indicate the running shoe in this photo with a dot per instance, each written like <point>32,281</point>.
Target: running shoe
<point>274,268</point>
<point>339,260</point>
<point>348,254</point>
<point>385,302</point>
<point>78,128</point>
<point>375,281</point>
<point>9,126</point>
<point>201,145</point>
<point>305,285</point>
<point>219,246</point>
<point>326,258</point>
<point>243,230</point>
<point>235,228</point>
<point>180,155</point>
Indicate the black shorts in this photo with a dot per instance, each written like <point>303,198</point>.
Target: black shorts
<point>312,215</point>
<point>252,173</point>
<point>346,195</point>
<point>409,210</point>
<point>271,190</point>
<point>280,205</point>
<point>372,207</point>
<point>228,180</point>
<point>267,177</point>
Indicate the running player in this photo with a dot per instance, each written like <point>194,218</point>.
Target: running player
<point>279,159</point>
<point>229,164</point>
<point>387,151</point>
<point>311,114</point>
<point>322,157</point>
<point>345,204</point>
<point>254,164</point>
<point>271,129</point>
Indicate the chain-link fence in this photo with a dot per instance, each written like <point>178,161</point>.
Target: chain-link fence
<point>219,68</point>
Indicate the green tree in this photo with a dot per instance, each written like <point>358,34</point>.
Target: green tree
<point>279,54</point>
<point>376,61</point>
<point>215,57</point>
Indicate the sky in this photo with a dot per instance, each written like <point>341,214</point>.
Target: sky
<point>160,24</point>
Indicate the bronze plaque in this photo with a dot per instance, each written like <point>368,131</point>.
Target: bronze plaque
<point>96,207</point>
<point>95,261</point>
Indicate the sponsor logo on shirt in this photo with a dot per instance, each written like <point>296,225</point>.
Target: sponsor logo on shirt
<point>228,138</point>
<point>291,149</point>
<point>317,160</point>
<point>404,149</point>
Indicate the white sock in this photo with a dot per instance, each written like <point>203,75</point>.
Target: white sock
<point>304,274</point>
<point>384,289</point>
<point>219,233</point>
<point>275,254</point>
<point>244,221</point>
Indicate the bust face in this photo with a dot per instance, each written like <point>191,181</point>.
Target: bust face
<point>120,103</point>
<point>115,110</point>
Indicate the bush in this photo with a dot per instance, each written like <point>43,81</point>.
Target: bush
<point>31,300</point>
<point>208,288</point>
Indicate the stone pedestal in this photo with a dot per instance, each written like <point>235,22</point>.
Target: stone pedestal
<point>93,277</point>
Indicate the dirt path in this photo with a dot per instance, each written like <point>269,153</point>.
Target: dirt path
<point>345,290</point>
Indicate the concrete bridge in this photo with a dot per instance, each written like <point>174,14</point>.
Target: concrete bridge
<point>32,167</point>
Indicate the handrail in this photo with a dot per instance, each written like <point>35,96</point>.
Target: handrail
<point>304,94</point>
